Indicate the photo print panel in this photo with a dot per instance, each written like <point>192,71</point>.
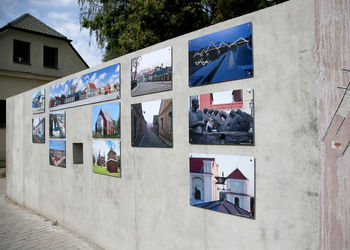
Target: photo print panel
<point>106,157</point>
<point>106,120</point>
<point>38,101</point>
<point>221,56</point>
<point>152,124</point>
<point>225,118</point>
<point>223,183</point>
<point>57,153</point>
<point>57,124</point>
<point>152,72</point>
<point>38,130</point>
<point>97,86</point>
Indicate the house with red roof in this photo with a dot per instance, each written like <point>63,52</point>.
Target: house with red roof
<point>91,90</point>
<point>238,194</point>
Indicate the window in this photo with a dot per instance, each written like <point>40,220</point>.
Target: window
<point>78,153</point>
<point>50,57</point>
<point>237,95</point>
<point>21,52</point>
<point>170,121</point>
<point>2,113</point>
<point>237,201</point>
<point>162,124</point>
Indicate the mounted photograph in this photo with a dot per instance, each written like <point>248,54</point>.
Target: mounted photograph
<point>225,118</point>
<point>57,153</point>
<point>38,101</point>
<point>152,124</point>
<point>38,130</point>
<point>106,120</point>
<point>97,86</point>
<point>57,124</point>
<point>223,183</point>
<point>221,56</point>
<point>106,157</point>
<point>152,72</point>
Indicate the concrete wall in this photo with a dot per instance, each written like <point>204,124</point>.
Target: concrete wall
<point>148,208</point>
<point>333,50</point>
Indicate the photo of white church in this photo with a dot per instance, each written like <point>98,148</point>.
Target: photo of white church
<point>223,183</point>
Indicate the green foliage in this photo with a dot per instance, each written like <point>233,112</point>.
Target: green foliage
<point>2,164</point>
<point>101,170</point>
<point>3,174</point>
<point>126,26</point>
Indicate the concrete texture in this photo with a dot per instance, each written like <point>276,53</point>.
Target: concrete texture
<point>148,208</point>
<point>21,228</point>
<point>333,50</point>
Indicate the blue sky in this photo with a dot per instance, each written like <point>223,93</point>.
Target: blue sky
<point>227,35</point>
<point>101,77</point>
<point>61,15</point>
<point>104,146</point>
<point>59,145</point>
<point>113,109</point>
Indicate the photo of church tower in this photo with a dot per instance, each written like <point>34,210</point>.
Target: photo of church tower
<point>223,183</point>
<point>106,157</point>
<point>106,120</point>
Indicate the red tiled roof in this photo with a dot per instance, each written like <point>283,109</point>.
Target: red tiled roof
<point>57,158</point>
<point>237,174</point>
<point>196,164</point>
<point>92,86</point>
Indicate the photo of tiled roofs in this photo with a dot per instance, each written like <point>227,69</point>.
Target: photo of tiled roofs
<point>96,86</point>
<point>57,153</point>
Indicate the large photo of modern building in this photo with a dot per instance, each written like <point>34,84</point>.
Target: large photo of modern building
<point>152,124</point>
<point>57,153</point>
<point>221,56</point>
<point>106,120</point>
<point>222,118</point>
<point>97,86</point>
<point>106,157</point>
<point>152,72</point>
<point>223,183</point>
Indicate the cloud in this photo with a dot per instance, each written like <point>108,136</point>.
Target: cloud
<point>103,147</point>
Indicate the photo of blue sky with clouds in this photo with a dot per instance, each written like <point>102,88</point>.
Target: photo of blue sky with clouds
<point>61,15</point>
<point>101,77</point>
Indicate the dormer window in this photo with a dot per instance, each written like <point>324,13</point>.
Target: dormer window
<point>50,57</point>
<point>21,52</point>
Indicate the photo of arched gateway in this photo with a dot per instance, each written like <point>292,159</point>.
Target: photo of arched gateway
<point>152,124</point>
<point>223,183</point>
<point>106,158</point>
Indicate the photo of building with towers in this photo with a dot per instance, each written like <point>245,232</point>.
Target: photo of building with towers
<point>106,157</point>
<point>106,120</point>
<point>223,183</point>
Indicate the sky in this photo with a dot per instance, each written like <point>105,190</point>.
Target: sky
<point>155,58</point>
<point>36,120</point>
<point>59,145</point>
<point>150,109</point>
<point>104,146</point>
<point>101,77</point>
<point>227,35</point>
<point>61,15</point>
<point>113,108</point>
<point>228,163</point>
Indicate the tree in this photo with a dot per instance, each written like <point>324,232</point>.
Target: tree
<point>124,26</point>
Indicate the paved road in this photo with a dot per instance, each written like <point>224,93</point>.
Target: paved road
<point>150,87</point>
<point>151,140</point>
<point>21,228</point>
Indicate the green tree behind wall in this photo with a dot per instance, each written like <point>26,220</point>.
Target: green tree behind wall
<point>122,27</point>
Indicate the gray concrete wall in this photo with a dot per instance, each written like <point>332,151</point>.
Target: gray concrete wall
<point>148,208</point>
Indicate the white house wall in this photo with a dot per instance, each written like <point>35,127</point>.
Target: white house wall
<point>148,207</point>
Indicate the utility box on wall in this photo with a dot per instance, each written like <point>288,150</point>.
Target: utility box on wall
<point>183,170</point>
